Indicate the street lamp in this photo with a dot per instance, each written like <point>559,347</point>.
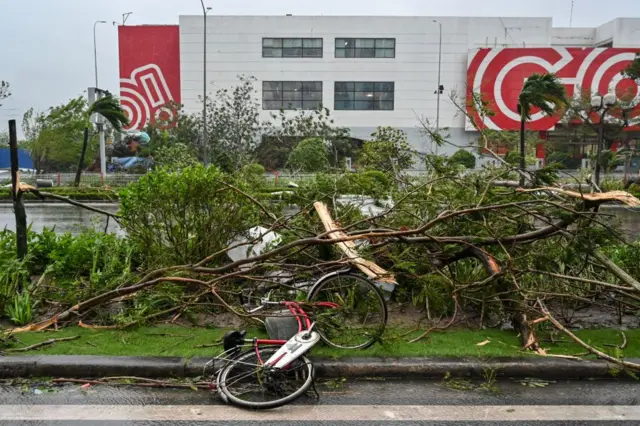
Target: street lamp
<point>439,91</point>
<point>95,49</point>
<point>205,142</point>
<point>601,104</point>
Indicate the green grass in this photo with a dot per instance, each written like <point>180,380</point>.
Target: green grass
<point>180,341</point>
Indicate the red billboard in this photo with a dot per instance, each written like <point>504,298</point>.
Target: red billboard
<point>150,73</point>
<point>498,76</point>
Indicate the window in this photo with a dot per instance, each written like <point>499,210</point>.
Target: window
<point>365,48</point>
<point>292,48</point>
<point>364,96</point>
<point>278,95</point>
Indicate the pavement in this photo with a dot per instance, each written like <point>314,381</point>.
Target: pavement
<point>342,402</point>
<point>72,366</point>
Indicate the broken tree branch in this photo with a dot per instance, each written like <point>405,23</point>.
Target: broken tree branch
<point>597,352</point>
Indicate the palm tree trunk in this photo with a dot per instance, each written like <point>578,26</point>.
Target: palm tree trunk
<point>85,142</point>
<point>523,161</point>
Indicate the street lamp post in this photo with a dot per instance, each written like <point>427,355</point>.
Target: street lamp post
<point>95,49</point>
<point>205,142</point>
<point>99,122</point>
<point>601,104</point>
<point>439,85</point>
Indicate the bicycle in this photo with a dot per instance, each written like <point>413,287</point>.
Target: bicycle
<point>287,374</point>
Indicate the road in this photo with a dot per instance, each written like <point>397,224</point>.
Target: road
<point>362,403</point>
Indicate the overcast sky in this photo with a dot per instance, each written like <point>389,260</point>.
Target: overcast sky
<point>46,46</point>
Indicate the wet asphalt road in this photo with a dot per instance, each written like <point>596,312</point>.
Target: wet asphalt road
<point>356,398</point>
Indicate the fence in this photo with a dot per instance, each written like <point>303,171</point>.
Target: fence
<point>87,179</point>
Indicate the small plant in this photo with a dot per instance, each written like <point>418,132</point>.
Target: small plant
<point>489,385</point>
<point>19,312</point>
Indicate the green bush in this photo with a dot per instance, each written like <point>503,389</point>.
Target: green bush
<point>310,155</point>
<point>180,218</point>
<point>464,158</point>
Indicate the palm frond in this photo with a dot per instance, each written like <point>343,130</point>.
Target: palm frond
<point>542,91</point>
<point>110,108</point>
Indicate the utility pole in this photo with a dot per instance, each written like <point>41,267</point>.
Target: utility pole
<point>439,91</point>
<point>205,140</point>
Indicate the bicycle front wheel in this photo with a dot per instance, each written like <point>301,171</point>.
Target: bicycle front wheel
<point>245,382</point>
<point>360,314</point>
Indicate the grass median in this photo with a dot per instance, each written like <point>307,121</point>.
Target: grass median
<point>196,342</point>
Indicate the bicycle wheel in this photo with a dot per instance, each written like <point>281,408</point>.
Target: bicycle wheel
<point>246,383</point>
<point>360,316</point>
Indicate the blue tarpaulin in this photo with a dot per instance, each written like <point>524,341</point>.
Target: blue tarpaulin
<point>128,162</point>
<point>24,159</point>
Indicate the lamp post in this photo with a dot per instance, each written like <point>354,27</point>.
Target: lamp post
<point>439,91</point>
<point>601,104</point>
<point>95,49</point>
<point>205,142</point>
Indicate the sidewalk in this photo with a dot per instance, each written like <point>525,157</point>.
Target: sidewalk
<point>85,366</point>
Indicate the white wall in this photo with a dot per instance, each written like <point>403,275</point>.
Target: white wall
<point>569,37</point>
<point>234,47</point>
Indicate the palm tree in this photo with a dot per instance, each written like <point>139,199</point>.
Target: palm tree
<point>542,91</point>
<point>109,108</point>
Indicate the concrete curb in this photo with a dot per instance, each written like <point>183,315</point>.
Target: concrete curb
<point>72,366</point>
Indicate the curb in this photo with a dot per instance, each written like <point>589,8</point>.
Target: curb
<point>73,366</point>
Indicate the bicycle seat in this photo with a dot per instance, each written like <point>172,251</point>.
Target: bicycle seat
<point>233,339</point>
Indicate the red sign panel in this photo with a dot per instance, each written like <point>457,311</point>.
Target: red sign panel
<point>498,76</point>
<point>150,73</point>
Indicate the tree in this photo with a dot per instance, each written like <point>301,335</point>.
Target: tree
<point>633,70</point>
<point>110,109</point>
<point>310,155</point>
<point>464,158</point>
<point>286,129</point>
<point>233,124</point>
<point>388,151</point>
<point>4,90</point>
<point>541,91</point>
<point>4,139</point>
<point>176,156</point>
<point>54,138</point>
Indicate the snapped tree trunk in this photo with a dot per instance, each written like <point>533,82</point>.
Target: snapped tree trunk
<point>523,153</point>
<point>16,195</point>
<point>85,142</point>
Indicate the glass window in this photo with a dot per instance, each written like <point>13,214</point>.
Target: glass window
<point>271,42</point>
<point>291,42</point>
<point>292,48</point>
<point>278,95</point>
<point>365,48</point>
<point>389,43</point>
<point>363,96</point>
<point>312,43</point>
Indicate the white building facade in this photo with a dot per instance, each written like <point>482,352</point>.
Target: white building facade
<point>378,70</point>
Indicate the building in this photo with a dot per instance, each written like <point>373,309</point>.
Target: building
<point>372,71</point>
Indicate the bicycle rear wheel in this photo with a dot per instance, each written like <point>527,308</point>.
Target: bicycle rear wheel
<point>245,382</point>
<point>360,317</point>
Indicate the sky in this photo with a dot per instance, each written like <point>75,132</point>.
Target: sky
<point>46,46</point>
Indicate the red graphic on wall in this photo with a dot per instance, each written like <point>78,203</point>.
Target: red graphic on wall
<point>498,75</point>
<point>150,74</point>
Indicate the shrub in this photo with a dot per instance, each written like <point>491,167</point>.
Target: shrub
<point>464,158</point>
<point>388,151</point>
<point>310,155</point>
<point>180,218</point>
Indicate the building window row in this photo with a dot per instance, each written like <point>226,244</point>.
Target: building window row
<point>292,48</point>
<point>344,48</point>
<point>365,48</point>
<point>357,95</point>
<point>349,95</point>
<point>278,95</point>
